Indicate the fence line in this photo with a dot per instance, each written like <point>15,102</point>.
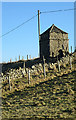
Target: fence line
<point>70,60</point>
<point>58,66</point>
<point>44,67</point>
<point>28,75</point>
<point>9,82</point>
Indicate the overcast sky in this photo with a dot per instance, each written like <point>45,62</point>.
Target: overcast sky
<point>24,40</point>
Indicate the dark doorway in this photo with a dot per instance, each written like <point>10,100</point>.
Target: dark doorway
<point>62,46</point>
<point>60,53</point>
<point>52,54</point>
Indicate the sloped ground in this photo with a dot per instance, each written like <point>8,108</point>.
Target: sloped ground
<point>53,98</point>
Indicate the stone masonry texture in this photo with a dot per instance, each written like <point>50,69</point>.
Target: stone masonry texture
<point>52,41</point>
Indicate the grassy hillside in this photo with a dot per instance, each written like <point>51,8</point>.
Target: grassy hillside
<point>50,98</point>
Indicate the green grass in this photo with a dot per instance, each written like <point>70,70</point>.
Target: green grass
<point>52,98</point>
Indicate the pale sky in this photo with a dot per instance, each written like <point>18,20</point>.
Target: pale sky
<point>24,40</point>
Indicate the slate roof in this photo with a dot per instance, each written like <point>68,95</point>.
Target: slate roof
<point>54,27</point>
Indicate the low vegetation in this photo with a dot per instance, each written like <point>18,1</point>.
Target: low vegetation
<point>52,97</point>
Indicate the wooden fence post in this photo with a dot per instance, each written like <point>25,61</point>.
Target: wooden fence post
<point>44,67</point>
<point>28,76</point>
<point>24,66</point>
<point>70,63</point>
<point>9,82</point>
<point>58,65</point>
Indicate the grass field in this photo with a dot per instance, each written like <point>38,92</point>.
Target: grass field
<point>51,98</point>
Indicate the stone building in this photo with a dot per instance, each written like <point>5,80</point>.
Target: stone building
<point>53,42</point>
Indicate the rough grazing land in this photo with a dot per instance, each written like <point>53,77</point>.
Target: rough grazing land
<point>53,98</point>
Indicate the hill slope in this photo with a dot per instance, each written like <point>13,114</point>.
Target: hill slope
<point>49,99</point>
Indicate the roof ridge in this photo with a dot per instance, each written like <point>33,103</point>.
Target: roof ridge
<point>61,29</point>
<point>51,28</point>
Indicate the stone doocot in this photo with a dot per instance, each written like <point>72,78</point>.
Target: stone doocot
<point>53,42</point>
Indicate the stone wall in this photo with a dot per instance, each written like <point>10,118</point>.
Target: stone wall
<point>53,40</point>
<point>15,65</point>
<point>0,67</point>
<point>58,41</point>
<point>28,63</point>
<point>53,47</point>
<point>35,69</point>
<point>45,48</point>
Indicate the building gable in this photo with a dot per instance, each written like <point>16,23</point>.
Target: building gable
<point>53,40</point>
<point>57,30</point>
<point>53,28</point>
